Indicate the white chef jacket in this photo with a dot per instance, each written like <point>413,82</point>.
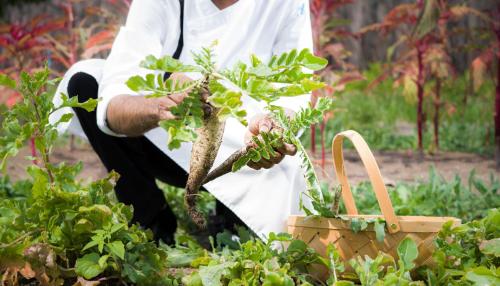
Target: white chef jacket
<point>262,199</point>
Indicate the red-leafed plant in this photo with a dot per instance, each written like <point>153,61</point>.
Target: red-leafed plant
<point>421,53</point>
<point>327,28</point>
<point>23,47</point>
<point>485,63</point>
<point>85,38</point>
<point>408,67</point>
<point>23,44</point>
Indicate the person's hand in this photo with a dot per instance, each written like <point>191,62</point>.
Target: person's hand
<point>165,103</point>
<point>264,123</point>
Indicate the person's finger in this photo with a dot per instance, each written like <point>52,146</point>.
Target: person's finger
<point>254,165</point>
<point>265,125</point>
<point>249,138</point>
<point>255,122</point>
<point>166,115</point>
<point>264,163</point>
<point>178,97</point>
<point>287,149</point>
<point>277,158</point>
<point>166,103</point>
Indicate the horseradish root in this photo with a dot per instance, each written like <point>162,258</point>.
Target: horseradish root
<point>203,154</point>
<point>226,166</point>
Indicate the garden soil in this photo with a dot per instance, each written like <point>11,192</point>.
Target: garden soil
<point>396,166</point>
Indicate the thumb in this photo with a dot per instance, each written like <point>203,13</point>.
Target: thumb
<point>265,125</point>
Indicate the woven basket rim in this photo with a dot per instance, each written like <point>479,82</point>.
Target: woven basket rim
<point>408,223</point>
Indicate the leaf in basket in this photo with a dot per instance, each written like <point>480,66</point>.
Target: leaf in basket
<point>407,252</point>
<point>307,211</point>
<point>358,224</point>
<point>379,227</point>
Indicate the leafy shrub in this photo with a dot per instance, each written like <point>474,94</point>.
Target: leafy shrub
<point>468,254</point>
<point>55,229</point>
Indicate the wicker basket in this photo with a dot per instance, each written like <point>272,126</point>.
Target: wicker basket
<point>318,233</point>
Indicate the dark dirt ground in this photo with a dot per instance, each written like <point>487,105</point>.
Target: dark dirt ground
<point>395,166</point>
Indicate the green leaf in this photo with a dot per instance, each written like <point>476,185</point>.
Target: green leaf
<point>117,248</point>
<point>491,247</point>
<point>90,244</point>
<point>178,133</point>
<point>312,62</point>
<point>379,227</point>
<point>167,64</point>
<point>137,83</point>
<point>283,236</point>
<point>88,266</point>
<point>428,19</point>
<point>88,105</point>
<point>311,85</point>
<point>211,275</point>
<point>407,252</point>
<point>482,276</point>
<point>6,81</point>
<point>103,261</point>
<point>358,224</point>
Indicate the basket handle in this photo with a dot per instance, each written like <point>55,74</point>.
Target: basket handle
<point>373,172</point>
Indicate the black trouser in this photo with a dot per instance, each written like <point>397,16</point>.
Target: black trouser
<point>139,163</point>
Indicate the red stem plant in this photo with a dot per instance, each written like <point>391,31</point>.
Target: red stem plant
<point>486,62</point>
<point>89,36</point>
<point>422,52</point>
<point>22,49</point>
<point>327,33</point>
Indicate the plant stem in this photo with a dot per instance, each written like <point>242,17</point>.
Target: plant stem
<point>496,29</point>
<point>45,151</point>
<point>497,111</point>
<point>33,150</point>
<point>17,240</point>
<point>322,133</point>
<point>310,176</point>
<point>313,139</point>
<point>437,105</point>
<point>420,94</point>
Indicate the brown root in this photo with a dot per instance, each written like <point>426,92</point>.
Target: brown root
<point>205,149</point>
<point>226,166</point>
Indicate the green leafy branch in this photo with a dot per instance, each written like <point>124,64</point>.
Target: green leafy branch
<point>29,118</point>
<point>226,87</point>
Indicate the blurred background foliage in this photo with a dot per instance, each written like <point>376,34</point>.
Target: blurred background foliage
<point>407,74</point>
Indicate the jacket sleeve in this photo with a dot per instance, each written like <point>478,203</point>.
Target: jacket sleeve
<point>148,25</point>
<point>295,34</point>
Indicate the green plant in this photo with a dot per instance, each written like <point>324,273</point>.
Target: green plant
<point>175,199</point>
<point>55,229</point>
<point>256,263</point>
<point>200,118</point>
<point>468,254</point>
<point>435,197</point>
